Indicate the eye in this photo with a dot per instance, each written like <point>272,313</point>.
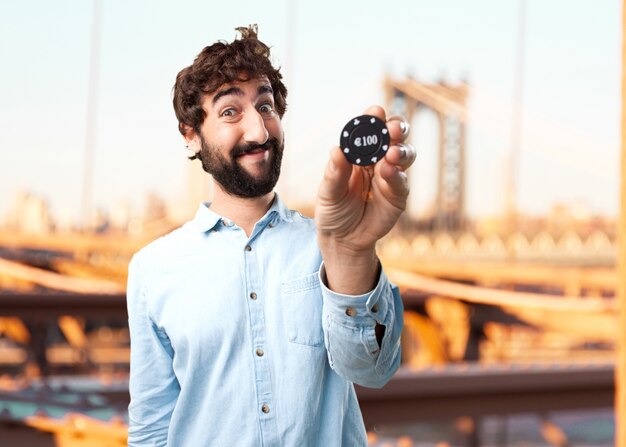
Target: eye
<point>230,112</point>
<point>266,108</point>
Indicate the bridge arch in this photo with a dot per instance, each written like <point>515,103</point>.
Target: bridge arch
<point>406,97</point>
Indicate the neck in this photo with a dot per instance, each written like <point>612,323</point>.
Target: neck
<point>244,212</point>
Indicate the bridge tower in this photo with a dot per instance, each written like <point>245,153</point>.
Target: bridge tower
<point>406,97</point>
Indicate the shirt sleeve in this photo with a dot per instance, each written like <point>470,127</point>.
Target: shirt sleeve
<point>153,386</point>
<point>350,336</point>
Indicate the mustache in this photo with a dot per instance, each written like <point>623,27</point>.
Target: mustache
<point>271,143</point>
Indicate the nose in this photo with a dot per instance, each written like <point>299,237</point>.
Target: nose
<point>254,128</point>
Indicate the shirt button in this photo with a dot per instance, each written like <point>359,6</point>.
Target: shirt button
<point>375,308</point>
<point>271,224</point>
<point>350,312</point>
<point>265,408</point>
<point>259,352</point>
<point>248,248</point>
<point>253,296</point>
<point>227,223</point>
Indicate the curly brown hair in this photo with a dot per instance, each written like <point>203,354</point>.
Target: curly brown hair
<point>221,63</point>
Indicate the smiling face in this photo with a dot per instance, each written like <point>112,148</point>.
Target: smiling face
<point>241,139</point>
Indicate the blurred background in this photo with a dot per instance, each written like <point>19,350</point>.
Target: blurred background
<point>506,256</point>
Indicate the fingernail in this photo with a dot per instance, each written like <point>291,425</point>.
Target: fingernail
<point>403,151</point>
<point>406,128</point>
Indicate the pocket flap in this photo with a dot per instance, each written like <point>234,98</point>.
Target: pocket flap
<point>302,310</point>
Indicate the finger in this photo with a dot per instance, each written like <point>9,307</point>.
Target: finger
<point>376,111</point>
<point>401,155</point>
<point>399,129</point>
<point>336,179</point>
<point>392,182</point>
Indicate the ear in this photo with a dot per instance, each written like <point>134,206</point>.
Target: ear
<point>192,140</point>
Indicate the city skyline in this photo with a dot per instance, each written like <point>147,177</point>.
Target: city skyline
<point>333,63</point>
<point>33,214</point>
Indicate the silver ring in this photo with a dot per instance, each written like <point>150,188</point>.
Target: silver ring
<point>405,127</point>
<point>408,152</point>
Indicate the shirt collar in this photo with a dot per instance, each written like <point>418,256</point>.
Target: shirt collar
<point>206,219</point>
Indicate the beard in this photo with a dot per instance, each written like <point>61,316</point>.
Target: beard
<point>233,178</point>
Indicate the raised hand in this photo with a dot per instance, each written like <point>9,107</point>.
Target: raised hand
<point>356,206</point>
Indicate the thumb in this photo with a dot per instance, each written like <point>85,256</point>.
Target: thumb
<point>334,185</point>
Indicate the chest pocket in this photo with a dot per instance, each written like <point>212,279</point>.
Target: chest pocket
<point>302,310</point>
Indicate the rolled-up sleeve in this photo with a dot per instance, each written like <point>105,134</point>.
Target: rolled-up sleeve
<point>349,323</point>
<point>153,386</point>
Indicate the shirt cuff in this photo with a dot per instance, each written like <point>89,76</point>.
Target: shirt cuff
<point>356,309</point>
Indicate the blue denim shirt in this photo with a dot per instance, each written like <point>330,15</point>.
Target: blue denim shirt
<point>235,340</point>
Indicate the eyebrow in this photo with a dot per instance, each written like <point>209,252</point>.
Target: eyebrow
<point>266,88</point>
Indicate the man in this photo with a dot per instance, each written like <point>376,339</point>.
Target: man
<point>250,323</point>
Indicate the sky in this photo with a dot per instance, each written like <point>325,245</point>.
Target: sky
<point>334,56</point>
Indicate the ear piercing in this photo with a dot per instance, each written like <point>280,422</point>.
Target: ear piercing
<point>190,152</point>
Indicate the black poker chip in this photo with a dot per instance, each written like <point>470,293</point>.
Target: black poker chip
<point>364,140</point>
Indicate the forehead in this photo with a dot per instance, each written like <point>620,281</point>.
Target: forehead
<point>248,87</point>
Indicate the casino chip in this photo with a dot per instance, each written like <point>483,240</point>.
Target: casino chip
<point>364,140</point>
